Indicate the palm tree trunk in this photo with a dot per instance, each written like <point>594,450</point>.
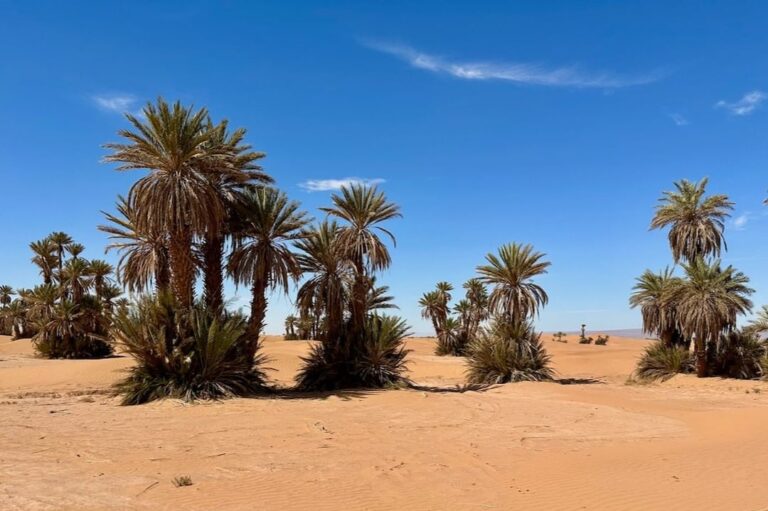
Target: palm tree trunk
<point>213,253</point>
<point>162,274</point>
<point>258,312</point>
<point>701,356</point>
<point>358,299</point>
<point>182,268</point>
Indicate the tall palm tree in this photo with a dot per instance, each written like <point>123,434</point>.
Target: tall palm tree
<point>322,257</point>
<point>433,308</point>
<point>175,197</point>
<point>61,240</point>
<point>477,295</point>
<point>45,258</point>
<point>290,325</point>
<point>515,295</point>
<point>76,278</point>
<point>708,302</point>
<point>231,168</point>
<point>262,257</point>
<point>363,208</point>
<point>697,222</point>
<point>653,294</point>
<point>143,253</point>
<point>100,272</point>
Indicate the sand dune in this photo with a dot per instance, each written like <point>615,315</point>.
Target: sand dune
<point>684,444</point>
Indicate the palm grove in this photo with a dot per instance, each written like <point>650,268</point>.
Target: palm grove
<point>701,306</point>
<point>205,209</point>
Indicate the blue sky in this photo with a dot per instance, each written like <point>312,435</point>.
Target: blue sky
<point>557,125</point>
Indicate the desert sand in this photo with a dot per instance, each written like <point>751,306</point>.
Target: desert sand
<point>590,441</point>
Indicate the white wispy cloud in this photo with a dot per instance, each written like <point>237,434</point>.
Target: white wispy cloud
<point>118,103</point>
<point>740,222</point>
<point>324,185</point>
<point>523,73</point>
<point>679,120</point>
<point>746,105</point>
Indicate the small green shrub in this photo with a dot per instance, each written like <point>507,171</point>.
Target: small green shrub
<point>560,337</point>
<point>376,361</point>
<point>504,353</point>
<point>291,337</point>
<point>660,362</point>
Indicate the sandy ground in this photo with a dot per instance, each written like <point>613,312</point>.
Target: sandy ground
<point>591,441</point>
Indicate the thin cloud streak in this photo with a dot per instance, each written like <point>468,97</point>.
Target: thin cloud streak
<point>522,73</point>
<point>324,185</point>
<point>118,103</point>
<point>679,120</point>
<point>746,105</point>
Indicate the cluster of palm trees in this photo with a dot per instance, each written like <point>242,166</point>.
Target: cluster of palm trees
<point>705,301</point>
<point>69,314</point>
<point>206,209</point>
<point>454,333</point>
<point>514,300</point>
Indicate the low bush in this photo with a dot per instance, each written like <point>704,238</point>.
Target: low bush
<point>375,361</point>
<point>602,340</point>
<point>738,354</point>
<point>192,355</point>
<point>661,362</point>
<point>504,353</point>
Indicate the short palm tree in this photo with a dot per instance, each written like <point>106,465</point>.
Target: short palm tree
<point>363,209</point>
<point>515,296</point>
<point>75,250</point>
<point>175,197</point>
<point>708,302</point>
<point>696,222</point>
<point>143,254</point>
<point>262,256</point>
<point>653,294</point>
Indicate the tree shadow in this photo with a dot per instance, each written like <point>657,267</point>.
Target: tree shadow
<point>578,381</point>
<point>456,389</point>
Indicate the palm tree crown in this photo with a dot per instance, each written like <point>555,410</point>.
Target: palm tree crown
<point>697,222</point>
<point>514,294</point>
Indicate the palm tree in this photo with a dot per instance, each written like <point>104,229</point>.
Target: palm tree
<point>697,222</point>
<point>231,169</point>
<point>290,325</point>
<point>175,197</point>
<point>708,302</point>
<point>45,258</point>
<point>61,240</point>
<point>6,294</point>
<point>363,208</point>
<point>515,296</point>
<point>262,258</point>
<point>434,309</point>
<point>143,254</point>
<point>653,294</point>
<point>477,296</point>
<point>100,271</point>
<point>76,278</point>
<point>75,249</point>
<point>321,256</point>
